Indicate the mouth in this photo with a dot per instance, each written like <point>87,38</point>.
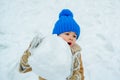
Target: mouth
<point>69,43</point>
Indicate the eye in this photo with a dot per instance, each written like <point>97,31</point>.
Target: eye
<point>75,36</point>
<point>66,33</point>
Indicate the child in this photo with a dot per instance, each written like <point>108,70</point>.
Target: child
<point>66,28</point>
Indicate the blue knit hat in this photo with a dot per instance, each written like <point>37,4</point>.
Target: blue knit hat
<point>66,23</point>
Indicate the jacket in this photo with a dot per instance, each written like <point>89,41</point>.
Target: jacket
<point>77,71</point>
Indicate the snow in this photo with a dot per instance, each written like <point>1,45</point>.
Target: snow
<point>20,20</point>
<point>49,58</point>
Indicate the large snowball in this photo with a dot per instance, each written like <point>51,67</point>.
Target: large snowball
<point>52,59</point>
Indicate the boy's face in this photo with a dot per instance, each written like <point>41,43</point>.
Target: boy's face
<point>69,37</point>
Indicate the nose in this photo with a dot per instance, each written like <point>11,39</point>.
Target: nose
<point>71,38</point>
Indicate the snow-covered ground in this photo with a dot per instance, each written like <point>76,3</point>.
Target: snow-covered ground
<point>20,20</point>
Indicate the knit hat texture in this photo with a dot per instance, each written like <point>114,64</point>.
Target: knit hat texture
<point>66,23</point>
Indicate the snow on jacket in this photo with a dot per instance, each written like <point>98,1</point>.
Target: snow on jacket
<point>77,72</point>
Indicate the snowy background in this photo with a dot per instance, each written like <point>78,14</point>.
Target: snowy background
<point>20,20</point>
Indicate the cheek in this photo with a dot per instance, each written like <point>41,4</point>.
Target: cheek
<point>74,41</point>
<point>65,39</point>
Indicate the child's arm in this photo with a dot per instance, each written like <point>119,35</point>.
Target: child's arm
<point>77,71</point>
<point>24,66</point>
<point>81,70</point>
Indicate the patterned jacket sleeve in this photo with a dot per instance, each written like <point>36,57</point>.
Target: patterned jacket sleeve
<point>24,66</point>
<point>77,70</point>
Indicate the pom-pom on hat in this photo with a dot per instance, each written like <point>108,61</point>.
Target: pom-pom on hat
<point>66,23</point>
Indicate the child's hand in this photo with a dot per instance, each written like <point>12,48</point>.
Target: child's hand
<point>36,41</point>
